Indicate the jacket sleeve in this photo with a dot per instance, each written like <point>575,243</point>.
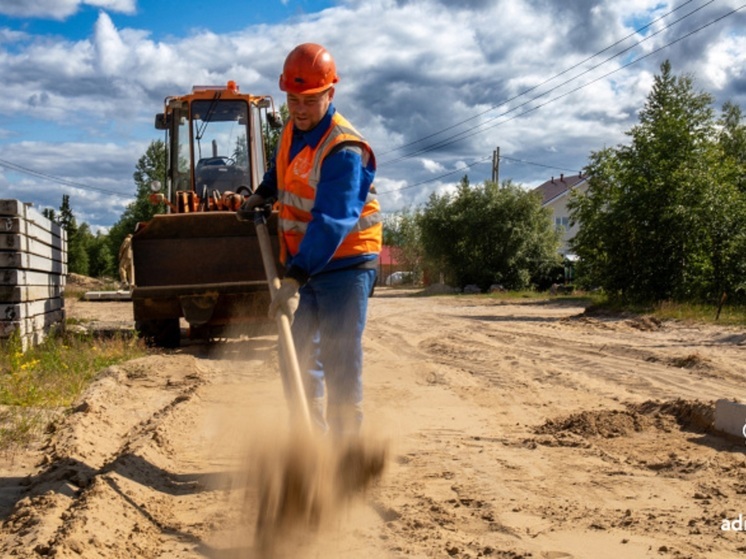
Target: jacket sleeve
<point>340,196</point>
<point>268,187</point>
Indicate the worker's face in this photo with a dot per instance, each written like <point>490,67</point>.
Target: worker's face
<point>308,110</point>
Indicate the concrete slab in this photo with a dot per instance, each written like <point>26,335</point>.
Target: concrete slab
<point>121,295</point>
<point>730,418</point>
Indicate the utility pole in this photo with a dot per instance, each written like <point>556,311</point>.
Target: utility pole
<point>496,165</point>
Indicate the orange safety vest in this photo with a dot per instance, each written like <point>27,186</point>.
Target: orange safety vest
<point>296,192</point>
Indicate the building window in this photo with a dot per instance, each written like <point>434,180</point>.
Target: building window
<point>562,223</point>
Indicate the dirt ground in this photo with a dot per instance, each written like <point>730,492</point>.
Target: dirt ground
<point>514,430</point>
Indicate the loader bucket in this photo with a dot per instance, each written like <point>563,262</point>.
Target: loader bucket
<point>205,268</point>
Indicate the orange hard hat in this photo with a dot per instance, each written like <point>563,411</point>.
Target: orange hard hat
<point>309,68</point>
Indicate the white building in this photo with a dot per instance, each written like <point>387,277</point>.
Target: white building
<point>555,194</point>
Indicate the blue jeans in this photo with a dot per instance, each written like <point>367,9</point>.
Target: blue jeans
<point>327,331</point>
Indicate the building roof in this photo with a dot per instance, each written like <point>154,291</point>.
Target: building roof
<point>556,187</point>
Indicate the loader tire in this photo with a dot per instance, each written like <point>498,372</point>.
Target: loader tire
<point>164,333</point>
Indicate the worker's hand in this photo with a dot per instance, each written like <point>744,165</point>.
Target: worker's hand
<point>246,211</point>
<point>286,299</point>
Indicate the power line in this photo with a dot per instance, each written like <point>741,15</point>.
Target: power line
<point>530,89</point>
<point>538,164</point>
<point>634,61</point>
<point>469,132</point>
<point>59,180</point>
<point>449,173</point>
<point>607,74</point>
<point>477,162</point>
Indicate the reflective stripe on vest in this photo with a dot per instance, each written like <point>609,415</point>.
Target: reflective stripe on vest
<point>297,181</point>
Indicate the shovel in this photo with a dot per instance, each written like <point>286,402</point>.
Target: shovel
<point>295,492</point>
<point>289,368</point>
<point>287,491</point>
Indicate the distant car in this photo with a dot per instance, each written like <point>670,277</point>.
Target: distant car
<point>399,278</point>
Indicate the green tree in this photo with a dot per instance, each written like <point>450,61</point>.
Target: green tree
<point>657,213</point>
<point>240,153</point>
<point>733,143</point>
<point>50,214</point>
<point>728,227</point>
<point>489,234</point>
<point>101,261</point>
<point>401,232</point>
<point>272,134</point>
<point>77,256</point>
<point>150,167</point>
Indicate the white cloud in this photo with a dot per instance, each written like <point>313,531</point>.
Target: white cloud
<point>432,85</point>
<point>98,177</point>
<point>11,36</point>
<point>123,6</point>
<point>432,166</point>
<point>61,9</point>
<point>111,50</point>
<point>725,62</point>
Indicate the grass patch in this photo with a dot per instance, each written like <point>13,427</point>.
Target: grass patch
<point>700,313</point>
<point>515,295</point>
<point>39,383</point>
<point>578,297</point>
<point>20,427</point>
<point>730,315</point>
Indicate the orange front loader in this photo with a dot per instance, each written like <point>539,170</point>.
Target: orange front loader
<point>197,264</point>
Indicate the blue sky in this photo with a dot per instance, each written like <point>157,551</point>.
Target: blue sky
<point>164,18</point>
<point>434,85</point>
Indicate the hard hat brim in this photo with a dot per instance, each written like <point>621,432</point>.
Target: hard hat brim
<point>300,90</point>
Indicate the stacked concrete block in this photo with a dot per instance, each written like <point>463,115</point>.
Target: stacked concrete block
<point>33,267</point>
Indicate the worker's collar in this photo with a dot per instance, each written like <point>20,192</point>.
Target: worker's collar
<point>313,136</point>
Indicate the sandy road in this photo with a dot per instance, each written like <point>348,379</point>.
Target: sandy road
<point>520,430</point>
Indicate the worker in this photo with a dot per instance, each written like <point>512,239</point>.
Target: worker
<point>330,233</point>
<point>125,262</point>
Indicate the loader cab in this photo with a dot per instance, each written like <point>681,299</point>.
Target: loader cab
<point>215,144</point>
<point>219,144</point>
